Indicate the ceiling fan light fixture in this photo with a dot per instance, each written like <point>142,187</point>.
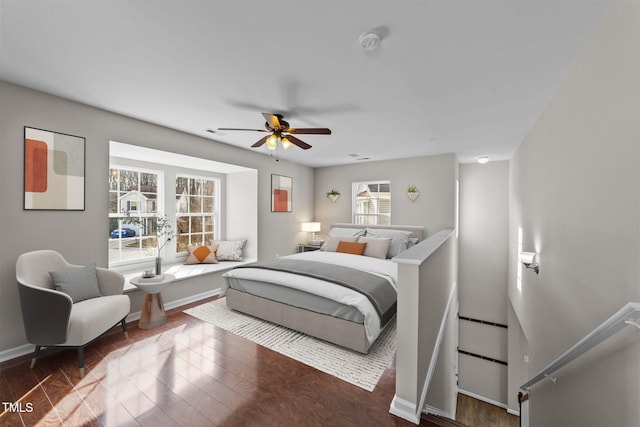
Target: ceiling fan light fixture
<point>286,144</point>
<point>369,40</point>
<point>272,142</point>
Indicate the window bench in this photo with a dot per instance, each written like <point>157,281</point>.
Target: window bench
<point>184,272</point>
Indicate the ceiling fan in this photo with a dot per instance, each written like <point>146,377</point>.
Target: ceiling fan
<point>281,132</point>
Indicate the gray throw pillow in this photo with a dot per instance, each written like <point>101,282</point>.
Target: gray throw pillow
<point>79,283</point>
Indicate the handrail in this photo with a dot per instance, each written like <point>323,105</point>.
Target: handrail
<point>627,315</point>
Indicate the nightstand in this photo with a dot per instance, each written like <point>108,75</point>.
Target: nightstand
<point>304,247</point>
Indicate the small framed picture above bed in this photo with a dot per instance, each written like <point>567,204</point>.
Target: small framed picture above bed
<point>281,188</point>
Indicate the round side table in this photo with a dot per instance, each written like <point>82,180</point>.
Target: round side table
<point>152,314</point>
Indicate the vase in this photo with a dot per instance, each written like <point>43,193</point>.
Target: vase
<point>158,266</point>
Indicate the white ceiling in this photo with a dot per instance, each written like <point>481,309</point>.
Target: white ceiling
<point>462,76</point>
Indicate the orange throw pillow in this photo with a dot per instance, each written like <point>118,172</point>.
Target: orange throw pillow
<point>202,255</point>
<point>355,248</point>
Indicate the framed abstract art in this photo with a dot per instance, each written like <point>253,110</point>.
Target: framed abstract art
<point>54,170</point>
<point>281,187</point>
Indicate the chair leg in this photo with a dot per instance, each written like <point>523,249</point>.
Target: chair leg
<point>35,356</point>
<point>81,361</point>
<point>124,328</point>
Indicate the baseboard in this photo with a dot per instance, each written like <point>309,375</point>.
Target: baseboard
<point>15,352</point>
<point>179,303</point>
<point>513,412</point>
<point>192,298</point>
<point>435,411</point>
<point>404,409</point>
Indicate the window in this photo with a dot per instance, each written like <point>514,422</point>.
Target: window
<point>196,211</point>
<point>190,194</point>
<point>372,202</point>
<point>133,213</point>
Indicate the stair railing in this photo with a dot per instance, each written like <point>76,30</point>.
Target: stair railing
<point>627,315</point>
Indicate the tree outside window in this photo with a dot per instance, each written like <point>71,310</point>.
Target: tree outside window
<point>196,211</point>
<point>133,213</point>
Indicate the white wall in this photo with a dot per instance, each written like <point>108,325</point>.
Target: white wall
<point>575,186</point>
<point>435,177</point>
<point>80,235</point>
<point>483,246</point>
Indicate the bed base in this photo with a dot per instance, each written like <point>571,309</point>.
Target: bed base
<point>337,331</point>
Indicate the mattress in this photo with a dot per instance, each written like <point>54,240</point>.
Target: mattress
<point>314,294</point>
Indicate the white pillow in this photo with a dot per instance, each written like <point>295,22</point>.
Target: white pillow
<point>342,232</point>
<point>399,239</point>
<point>376,247</point>
<point>331,244</point>
<point>229,250</point>
<point>346,232</point>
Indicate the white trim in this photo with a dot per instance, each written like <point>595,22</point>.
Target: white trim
<point>513,412</point>
<point>435,411</point>
<point>178,303</point>
<point>436,350</point>
<point>183,272</point>
<point>404,409</point>
<point>15,352</point>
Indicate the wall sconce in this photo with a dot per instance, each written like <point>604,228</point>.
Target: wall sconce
<point>313,228</point>
<point>527,259</point>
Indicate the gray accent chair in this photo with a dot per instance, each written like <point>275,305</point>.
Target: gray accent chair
<point>51,319</point>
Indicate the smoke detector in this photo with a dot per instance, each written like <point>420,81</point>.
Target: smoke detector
<point>369,40</point>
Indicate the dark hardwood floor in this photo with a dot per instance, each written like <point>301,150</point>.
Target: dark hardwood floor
<point>185,373</point>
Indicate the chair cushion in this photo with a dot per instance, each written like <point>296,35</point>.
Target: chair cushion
<point>79,283</point>
<point>91,318</point>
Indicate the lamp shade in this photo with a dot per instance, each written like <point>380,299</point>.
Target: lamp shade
<point>311,227</point>
<point>527,257</point>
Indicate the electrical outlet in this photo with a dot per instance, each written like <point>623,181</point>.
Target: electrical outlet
<point>526,359</point>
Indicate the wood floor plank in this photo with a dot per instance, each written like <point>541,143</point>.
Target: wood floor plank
<point>187,373</point>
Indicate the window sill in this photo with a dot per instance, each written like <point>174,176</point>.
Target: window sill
<point>184,272</point>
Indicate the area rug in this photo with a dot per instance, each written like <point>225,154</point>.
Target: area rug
<point>362,370</point>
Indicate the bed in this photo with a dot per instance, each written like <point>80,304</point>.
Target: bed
<point>342,298</point>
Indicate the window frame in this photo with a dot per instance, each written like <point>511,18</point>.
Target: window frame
<point>159,212</point>
<point>354,204</point>
<point>217,185</point>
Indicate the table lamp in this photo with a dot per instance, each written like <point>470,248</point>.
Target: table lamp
<point>311,227</point>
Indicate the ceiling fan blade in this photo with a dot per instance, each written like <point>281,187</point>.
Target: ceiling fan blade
<point>252,130</point>
<point>309,131</point>
<point>260,142</point>
<point>272,119</point>
<point>298,142</point>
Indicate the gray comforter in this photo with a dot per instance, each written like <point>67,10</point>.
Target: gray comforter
<point>376,288</point>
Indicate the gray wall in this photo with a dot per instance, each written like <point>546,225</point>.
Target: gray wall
<point>483,251</point>
<point>435,177</point>
<point>575,194</point>
<point>80,236</point>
